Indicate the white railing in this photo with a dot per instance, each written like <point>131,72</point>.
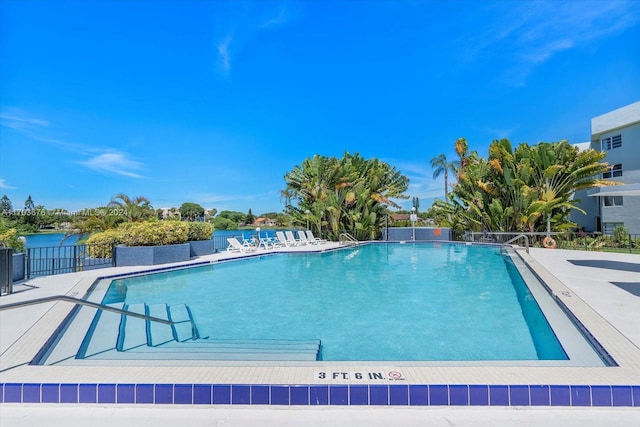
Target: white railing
<point>518,237</point>
<point>347,239</point>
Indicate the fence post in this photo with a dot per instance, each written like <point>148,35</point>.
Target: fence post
<point>27,260</point>
<point>6,275</point>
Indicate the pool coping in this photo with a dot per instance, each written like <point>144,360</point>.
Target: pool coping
<point>328,383</point>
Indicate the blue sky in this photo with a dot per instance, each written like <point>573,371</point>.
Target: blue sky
<point>214,101</point>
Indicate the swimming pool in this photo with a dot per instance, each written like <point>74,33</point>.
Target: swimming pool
<point>374,302</point>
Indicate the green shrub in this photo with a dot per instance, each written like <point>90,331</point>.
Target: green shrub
<point>9,238</point>
<point>154,233</point>
<point>99,244</point>
<point>200,231</point>
<point>620,234</point>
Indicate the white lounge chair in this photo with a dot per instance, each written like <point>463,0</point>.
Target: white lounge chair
<point>266,242</point>
<point>282,239</point>
<point>302,238</point>
<point>236,246</point>
<point>273,241</point>
<point>250,242</point>
<point>312,238</point>
<point>291,239</point>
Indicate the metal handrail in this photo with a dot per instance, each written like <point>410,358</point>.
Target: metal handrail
<point>519,236</point>
<point>346,237</point>
<point>83,302</point>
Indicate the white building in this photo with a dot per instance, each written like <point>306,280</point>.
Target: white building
<point>618,134</point>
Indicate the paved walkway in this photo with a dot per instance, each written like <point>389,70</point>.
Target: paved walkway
<point>606,282</point>
<point>95,416</point>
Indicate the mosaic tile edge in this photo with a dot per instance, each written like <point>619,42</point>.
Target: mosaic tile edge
<point>327,395</point>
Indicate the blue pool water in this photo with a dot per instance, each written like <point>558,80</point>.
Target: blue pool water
<point>374,302</point>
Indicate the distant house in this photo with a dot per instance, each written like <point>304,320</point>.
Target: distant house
<point>167,213</point>
<point>264,222</point>
<point>617,133</point>
<point>399,217</point>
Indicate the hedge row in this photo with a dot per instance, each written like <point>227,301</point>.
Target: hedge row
<point>153,233</point>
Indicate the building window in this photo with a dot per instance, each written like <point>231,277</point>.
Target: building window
<point>616,170</point>
<point>611,142</point>
<point>613,200</point>
<point>608,227</point>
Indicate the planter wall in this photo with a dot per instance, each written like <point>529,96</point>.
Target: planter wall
<point>18,267</point>
<point>202,247</point>
<point>151,255</point>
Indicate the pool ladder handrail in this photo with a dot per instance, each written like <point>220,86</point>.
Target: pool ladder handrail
<point>346,237</point>
<point>86,303</point>
<point>519,236</point>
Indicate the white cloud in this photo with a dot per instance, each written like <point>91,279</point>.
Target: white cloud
<point>281,17</point>
<point>224,55</point>
<point>35,128</point>
<point>15,120</point>
<point>244,24</point>
<point>114,162</point>
<point>528,34</point>
<point>3,184</point>
<point>108,160</point>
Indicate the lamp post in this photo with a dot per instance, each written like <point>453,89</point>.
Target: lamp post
<point>413,223</point>
<point>306,213</point>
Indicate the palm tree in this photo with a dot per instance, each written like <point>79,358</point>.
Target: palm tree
<point>515,190</point>
<point>349,194</point>
<point>441,166</point>
<point>133,210</point>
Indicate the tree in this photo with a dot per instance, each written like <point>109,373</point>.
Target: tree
<point>6,208</point>
<point>131,210</point>
<point>29,205</point>
<point>98,219</point>
<point>222,223</point>
<point>416,203</point>
<point>237,217</point>
<point>250,218</point>
<point>29,215</point>
<point>191,211</point>
<point>343,195</point>
<point>441,166</point>
<point>517,190</point>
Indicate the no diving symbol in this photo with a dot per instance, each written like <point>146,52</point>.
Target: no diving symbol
<point>395,375</point>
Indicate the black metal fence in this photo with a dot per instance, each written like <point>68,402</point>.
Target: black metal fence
<point>627,243</point>
<point>44,261</point>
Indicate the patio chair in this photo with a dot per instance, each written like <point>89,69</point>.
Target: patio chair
<point>282,239</point>
<point>312,238</point>
<point>302,238</point>
<point>236,246</point>
<point>274,242</point>
<point>291,239</point>
<point>266,242</point>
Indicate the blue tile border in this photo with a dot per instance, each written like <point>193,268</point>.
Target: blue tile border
<point>578,395</point>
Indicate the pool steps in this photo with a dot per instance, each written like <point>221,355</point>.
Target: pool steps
<point>136,337</point>
<point>104,325</point>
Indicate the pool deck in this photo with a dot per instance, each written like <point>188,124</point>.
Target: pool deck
<point>601,289</point>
